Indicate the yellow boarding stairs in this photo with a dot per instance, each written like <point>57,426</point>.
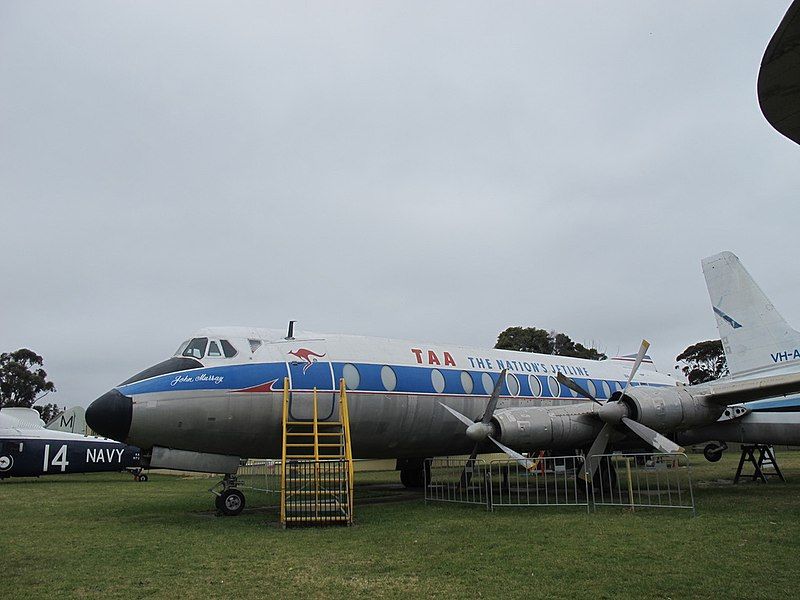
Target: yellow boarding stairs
<point>317,467</point>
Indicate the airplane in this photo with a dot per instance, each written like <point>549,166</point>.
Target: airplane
<point>29,449</point>
<point>218,399</point>
<point>757,341</point>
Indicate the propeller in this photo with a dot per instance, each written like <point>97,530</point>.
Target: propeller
<point>482,430</point>
<point>614,413</point>
<point>573,385</point>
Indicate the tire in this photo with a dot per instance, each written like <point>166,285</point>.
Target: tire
<point>230,502</point>
<point>712,453</point>
<point>143,478</point>
<point>413,479</point>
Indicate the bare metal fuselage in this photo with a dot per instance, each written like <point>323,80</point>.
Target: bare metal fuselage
<point>249,424</point>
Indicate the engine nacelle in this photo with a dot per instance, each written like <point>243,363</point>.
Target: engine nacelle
<point>538,428</point>
<point>668,409</point>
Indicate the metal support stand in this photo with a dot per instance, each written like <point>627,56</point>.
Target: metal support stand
<point>765,456</point>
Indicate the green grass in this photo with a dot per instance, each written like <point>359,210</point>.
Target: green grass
<point>105,536</point>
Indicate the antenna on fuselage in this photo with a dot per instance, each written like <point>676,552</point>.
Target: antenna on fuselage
<point>290,333</point>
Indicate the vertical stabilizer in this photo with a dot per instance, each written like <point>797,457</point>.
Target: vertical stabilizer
<point>754,335</point>
<point>71,421</point>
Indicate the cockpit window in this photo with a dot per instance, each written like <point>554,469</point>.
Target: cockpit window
<point>196,348</point>
<point>213,350</point>
<point>228,349</point>
<point>181,348</point>
<point>254,345</point>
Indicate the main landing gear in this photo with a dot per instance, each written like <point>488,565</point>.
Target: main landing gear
<point>713,451</point>
<point>139,475</point>
<point>414,472</point>
<point>230,500</point>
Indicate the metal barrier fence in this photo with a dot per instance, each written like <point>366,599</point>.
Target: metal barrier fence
<point>643,480</point>
<point>452,480</point>
<point>628,480</point>
<point>551,482</point>
<point>260,475</point>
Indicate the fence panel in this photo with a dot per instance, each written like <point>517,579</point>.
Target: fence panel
<point>643,480</point>
<point>551,481</point>
<point>457,480</point>
<point>260,475</point>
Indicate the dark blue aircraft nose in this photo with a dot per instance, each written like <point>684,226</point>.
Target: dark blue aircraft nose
<point>110,415</point>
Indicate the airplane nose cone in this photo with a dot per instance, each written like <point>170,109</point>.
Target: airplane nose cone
<point>110,415</point>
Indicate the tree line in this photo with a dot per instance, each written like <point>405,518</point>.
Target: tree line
<point>700,362</point>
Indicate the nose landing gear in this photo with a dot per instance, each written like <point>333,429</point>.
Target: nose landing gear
<point>229,502</point>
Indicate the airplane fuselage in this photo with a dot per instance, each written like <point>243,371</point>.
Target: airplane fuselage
<point>233,404</point>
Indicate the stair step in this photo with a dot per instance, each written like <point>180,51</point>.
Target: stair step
<point>311,445</point>
<point>315,492</point>
<point>331,519</point>
<point>311,456</point>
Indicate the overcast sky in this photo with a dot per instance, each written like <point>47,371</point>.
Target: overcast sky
<point>432,171</point>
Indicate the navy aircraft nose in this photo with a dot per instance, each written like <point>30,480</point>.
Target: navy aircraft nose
<point>110,415</point>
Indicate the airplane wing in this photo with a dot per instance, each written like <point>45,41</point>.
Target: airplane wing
<point>779,78</point>
<point>733,392</point>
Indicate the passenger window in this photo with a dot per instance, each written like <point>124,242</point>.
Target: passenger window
<point>228,349</point>
<point>213,350</point>
<point>196,348</point>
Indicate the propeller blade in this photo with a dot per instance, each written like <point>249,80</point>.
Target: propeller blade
<point>652,437</point>
<point>527,463</point>
<point>469,467</point>
<point>639,357</point>
<point>573,385</point>
<point>464,419</point>
<point>598,447</point>
<point>487,414</point>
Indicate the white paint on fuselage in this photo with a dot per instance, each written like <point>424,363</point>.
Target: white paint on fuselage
<point>362,349</point>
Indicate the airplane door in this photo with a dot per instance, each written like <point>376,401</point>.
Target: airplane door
<point>308,369</point>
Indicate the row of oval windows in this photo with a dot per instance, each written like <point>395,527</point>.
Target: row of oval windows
<point>352,379</point>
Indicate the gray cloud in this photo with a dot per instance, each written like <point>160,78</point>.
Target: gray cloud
<point>409,170</point>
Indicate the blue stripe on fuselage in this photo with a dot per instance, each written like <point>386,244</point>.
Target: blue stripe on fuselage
<point>410,379</point>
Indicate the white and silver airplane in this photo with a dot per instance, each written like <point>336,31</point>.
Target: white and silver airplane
<point>219,398</point>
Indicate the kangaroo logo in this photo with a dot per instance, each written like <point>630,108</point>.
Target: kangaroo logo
<point>308,356</point>
<point>726,318</point>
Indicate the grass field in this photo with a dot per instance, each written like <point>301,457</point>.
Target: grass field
<point>105,536</point>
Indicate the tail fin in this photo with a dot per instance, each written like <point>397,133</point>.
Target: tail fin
<point>72,421</point>
<point>754,335</point>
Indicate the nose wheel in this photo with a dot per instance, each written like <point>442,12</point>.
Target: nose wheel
<point>230,501</point>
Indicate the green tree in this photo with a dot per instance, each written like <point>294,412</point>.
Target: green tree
<point>23,381</point>
<point>525,339</point>
<point>703,361</point>
<point>532,339</point>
